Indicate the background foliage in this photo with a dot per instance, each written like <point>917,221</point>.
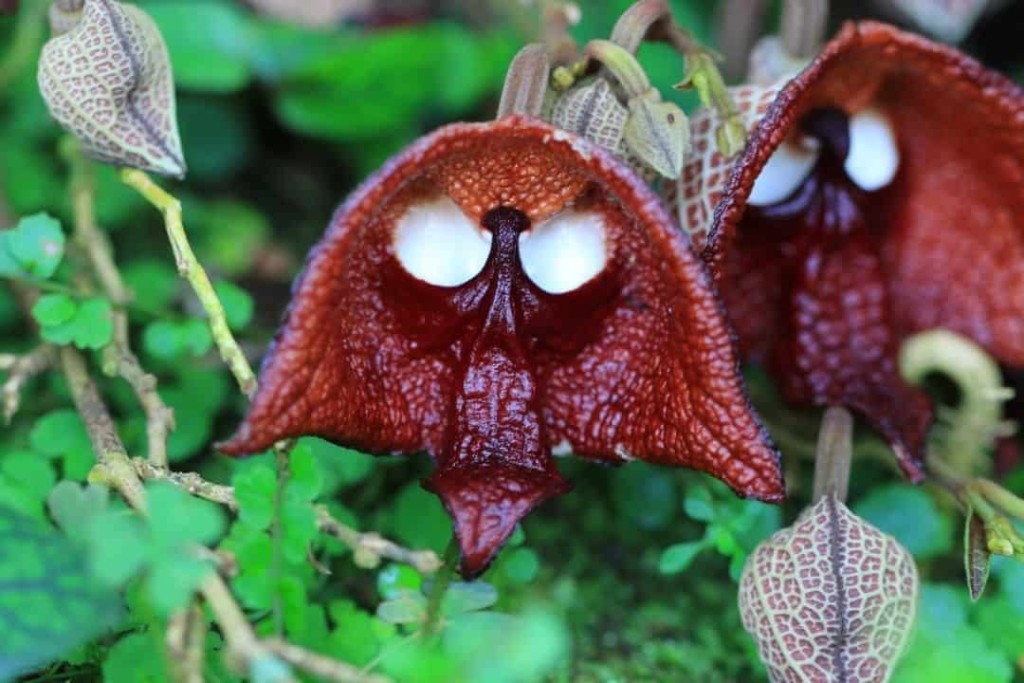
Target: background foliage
<point>632,577</point>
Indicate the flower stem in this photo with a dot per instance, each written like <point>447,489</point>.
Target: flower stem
<point>190,269</point>
<point>442,580</point>
<point>835,450</point>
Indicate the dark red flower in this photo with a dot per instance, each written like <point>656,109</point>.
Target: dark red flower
<point>881,193</point>
<point>496,293</point>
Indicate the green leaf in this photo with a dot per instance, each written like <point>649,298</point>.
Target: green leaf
<point>177,519</point>
<point>90,326</point>
<point>677,558</point>
<point>470,596</point>
<point>118,547</point>
<point>500,648</point>
<point>154,284</point>
<point>408,607</point>
<point>298,525</point>
<point>304,473</point>
<point>62,434</point>
<point>909,514</point>
<point>36,245</point>
<point>214,59</point>
<point>698,504</point>
<point>173,579</point>
<point>170,340</point>
<point>254,491</point>
<point>54,309</point>
<point>136,658</point>
<point>419,520</point>
<point>945,648</point>
<point>25,481</point>
<point>238,305</point>
<point>394,578</point>
<point>48,602</point>
<point>338,466</point>
<point>353,639</point>
<point>74,507</point>
<point>520,565</point>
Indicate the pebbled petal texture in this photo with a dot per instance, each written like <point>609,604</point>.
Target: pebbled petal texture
<point>945,240</point>
<point>489,376</point>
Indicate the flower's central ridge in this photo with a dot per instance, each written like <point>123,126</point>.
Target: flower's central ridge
<point>836,344</point>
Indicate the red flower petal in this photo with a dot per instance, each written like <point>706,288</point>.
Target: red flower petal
<point>489,376</point>
<point>947,234</point>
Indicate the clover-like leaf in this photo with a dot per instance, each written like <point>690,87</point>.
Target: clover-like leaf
<point>108,82</point>
<point>34,247</point>
<point>48,601</point>
<point>829,598</point>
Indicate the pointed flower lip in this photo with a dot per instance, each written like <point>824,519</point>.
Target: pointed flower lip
<point>940,219</point>
<point>490,370</point>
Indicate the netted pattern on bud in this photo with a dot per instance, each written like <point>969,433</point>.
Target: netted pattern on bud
<point>702,182</point>
<point>830,598</point>
<point>592,111</point>
<point>108,82</point>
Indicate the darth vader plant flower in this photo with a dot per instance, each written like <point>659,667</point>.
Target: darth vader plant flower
<point>881,193</point>
<point>496,294</point>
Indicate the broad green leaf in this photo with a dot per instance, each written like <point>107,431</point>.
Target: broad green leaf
<point>254,491</point>
<point>678,558</point>
<point>909,514</point>
<point>48,602</point>
<point>231,233</point>
<point>169,340</point>
<point>36,245</point>
<point>419,520</point>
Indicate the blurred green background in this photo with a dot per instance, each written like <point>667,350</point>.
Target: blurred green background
<point>632,577</point>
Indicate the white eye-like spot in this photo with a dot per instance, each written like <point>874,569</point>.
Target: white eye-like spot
<point>437,243</point>
<point>564,252</point>
<point>873,158</point>
<point>786,170</point>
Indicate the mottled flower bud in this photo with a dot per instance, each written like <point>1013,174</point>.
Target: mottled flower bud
<point>830,598</point>
<point>108,81</point>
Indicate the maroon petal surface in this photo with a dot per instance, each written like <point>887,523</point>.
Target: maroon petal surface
<point>489,376</point>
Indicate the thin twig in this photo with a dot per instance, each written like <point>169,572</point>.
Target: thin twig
<point>368,548</point>
<point>186,639</point>
<point>320,666</point>
<point>190,269</point>
<point>119,355</point>
<point>21,369</point>
<point>114,469</point>
<point>440,587</point>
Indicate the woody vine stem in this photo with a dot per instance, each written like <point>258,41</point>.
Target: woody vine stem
<point>117,470</point>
